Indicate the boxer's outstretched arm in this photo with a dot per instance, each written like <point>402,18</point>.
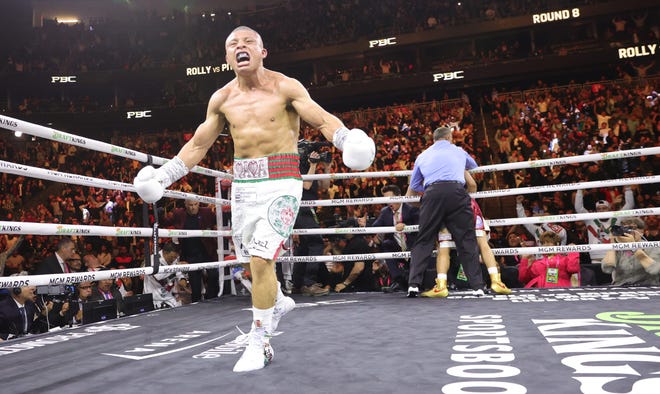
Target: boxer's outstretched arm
<point>206,134</point>
<point>358,149</point>
<point>309,110</point>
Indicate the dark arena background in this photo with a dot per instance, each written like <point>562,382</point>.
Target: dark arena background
<point>91,90</point>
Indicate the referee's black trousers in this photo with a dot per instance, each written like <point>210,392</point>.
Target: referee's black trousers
<point>446,204</point>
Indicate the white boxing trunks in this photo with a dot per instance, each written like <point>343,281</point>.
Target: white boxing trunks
<point>265,198</point>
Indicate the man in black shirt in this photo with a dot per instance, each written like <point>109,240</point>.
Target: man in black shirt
<point>197,249</point>
<point>305,275</point>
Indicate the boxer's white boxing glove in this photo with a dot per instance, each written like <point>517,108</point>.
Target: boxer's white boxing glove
<point>358,148</point>
<point>150,183</point>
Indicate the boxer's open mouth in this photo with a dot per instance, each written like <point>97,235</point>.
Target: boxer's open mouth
<point>242,57</point>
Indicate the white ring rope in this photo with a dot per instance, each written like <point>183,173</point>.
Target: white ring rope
<point>357,201</point>
<point>623,154</point>
<point>65,279</point>
<point>576,248</point>
<point>490,193</point>
<point>19,228</point>
<point>496,252</point>
<point>63,177</point>
<point>491,222</point>
<point>350,175</point>
<point>60,136</point>
<point>104,231</point>
<point>574,217</point>
<point>568,186</point>
<point>56,279</point>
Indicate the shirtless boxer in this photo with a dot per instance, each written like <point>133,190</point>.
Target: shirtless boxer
<point>442,260</point>
<point>262,109</point>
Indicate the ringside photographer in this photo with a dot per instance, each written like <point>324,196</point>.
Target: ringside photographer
<point>640,267</point>
<point>304,276</point>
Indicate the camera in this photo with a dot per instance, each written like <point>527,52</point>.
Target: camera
<point>620,230</point>
<point>305,148</point>
<point>58,293</point>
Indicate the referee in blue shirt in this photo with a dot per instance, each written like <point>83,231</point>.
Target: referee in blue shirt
<point>439,174</point>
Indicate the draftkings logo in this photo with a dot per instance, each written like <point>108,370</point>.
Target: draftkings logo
<point>124,151</point>
<point>8,122</point>
<point>61,230</point>
<point>604,354</point>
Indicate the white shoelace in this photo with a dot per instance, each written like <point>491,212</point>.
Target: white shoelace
<point>243,338</point>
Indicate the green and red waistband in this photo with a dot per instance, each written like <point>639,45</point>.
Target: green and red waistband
<point>277,166</point>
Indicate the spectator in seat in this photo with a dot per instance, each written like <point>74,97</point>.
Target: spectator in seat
<point>106,289</point>
<point>550,270</point>
<point>637,267</point>
<point>18,313</point>
<point>399,215</point>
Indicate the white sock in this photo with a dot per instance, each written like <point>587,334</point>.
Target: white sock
<point>280,294</point>
<point>264,317</point>
<point>442,276</point>
<point>493,270</point>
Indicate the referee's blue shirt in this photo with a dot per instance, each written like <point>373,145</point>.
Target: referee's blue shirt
<point>442,161</point>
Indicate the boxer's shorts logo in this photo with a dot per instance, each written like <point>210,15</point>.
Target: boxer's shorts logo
<point>282,214</point>
<point>251,168</point>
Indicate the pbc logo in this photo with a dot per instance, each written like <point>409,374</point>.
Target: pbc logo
<point>138,114</point>
<point>383,42</point>
<point>448,76</point>
<point>63,79</point>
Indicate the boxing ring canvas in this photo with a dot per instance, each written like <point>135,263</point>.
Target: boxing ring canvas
<point>578,340</point>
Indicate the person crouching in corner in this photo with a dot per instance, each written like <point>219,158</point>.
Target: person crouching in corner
<point>637,267</point>
<point>551,270</point>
